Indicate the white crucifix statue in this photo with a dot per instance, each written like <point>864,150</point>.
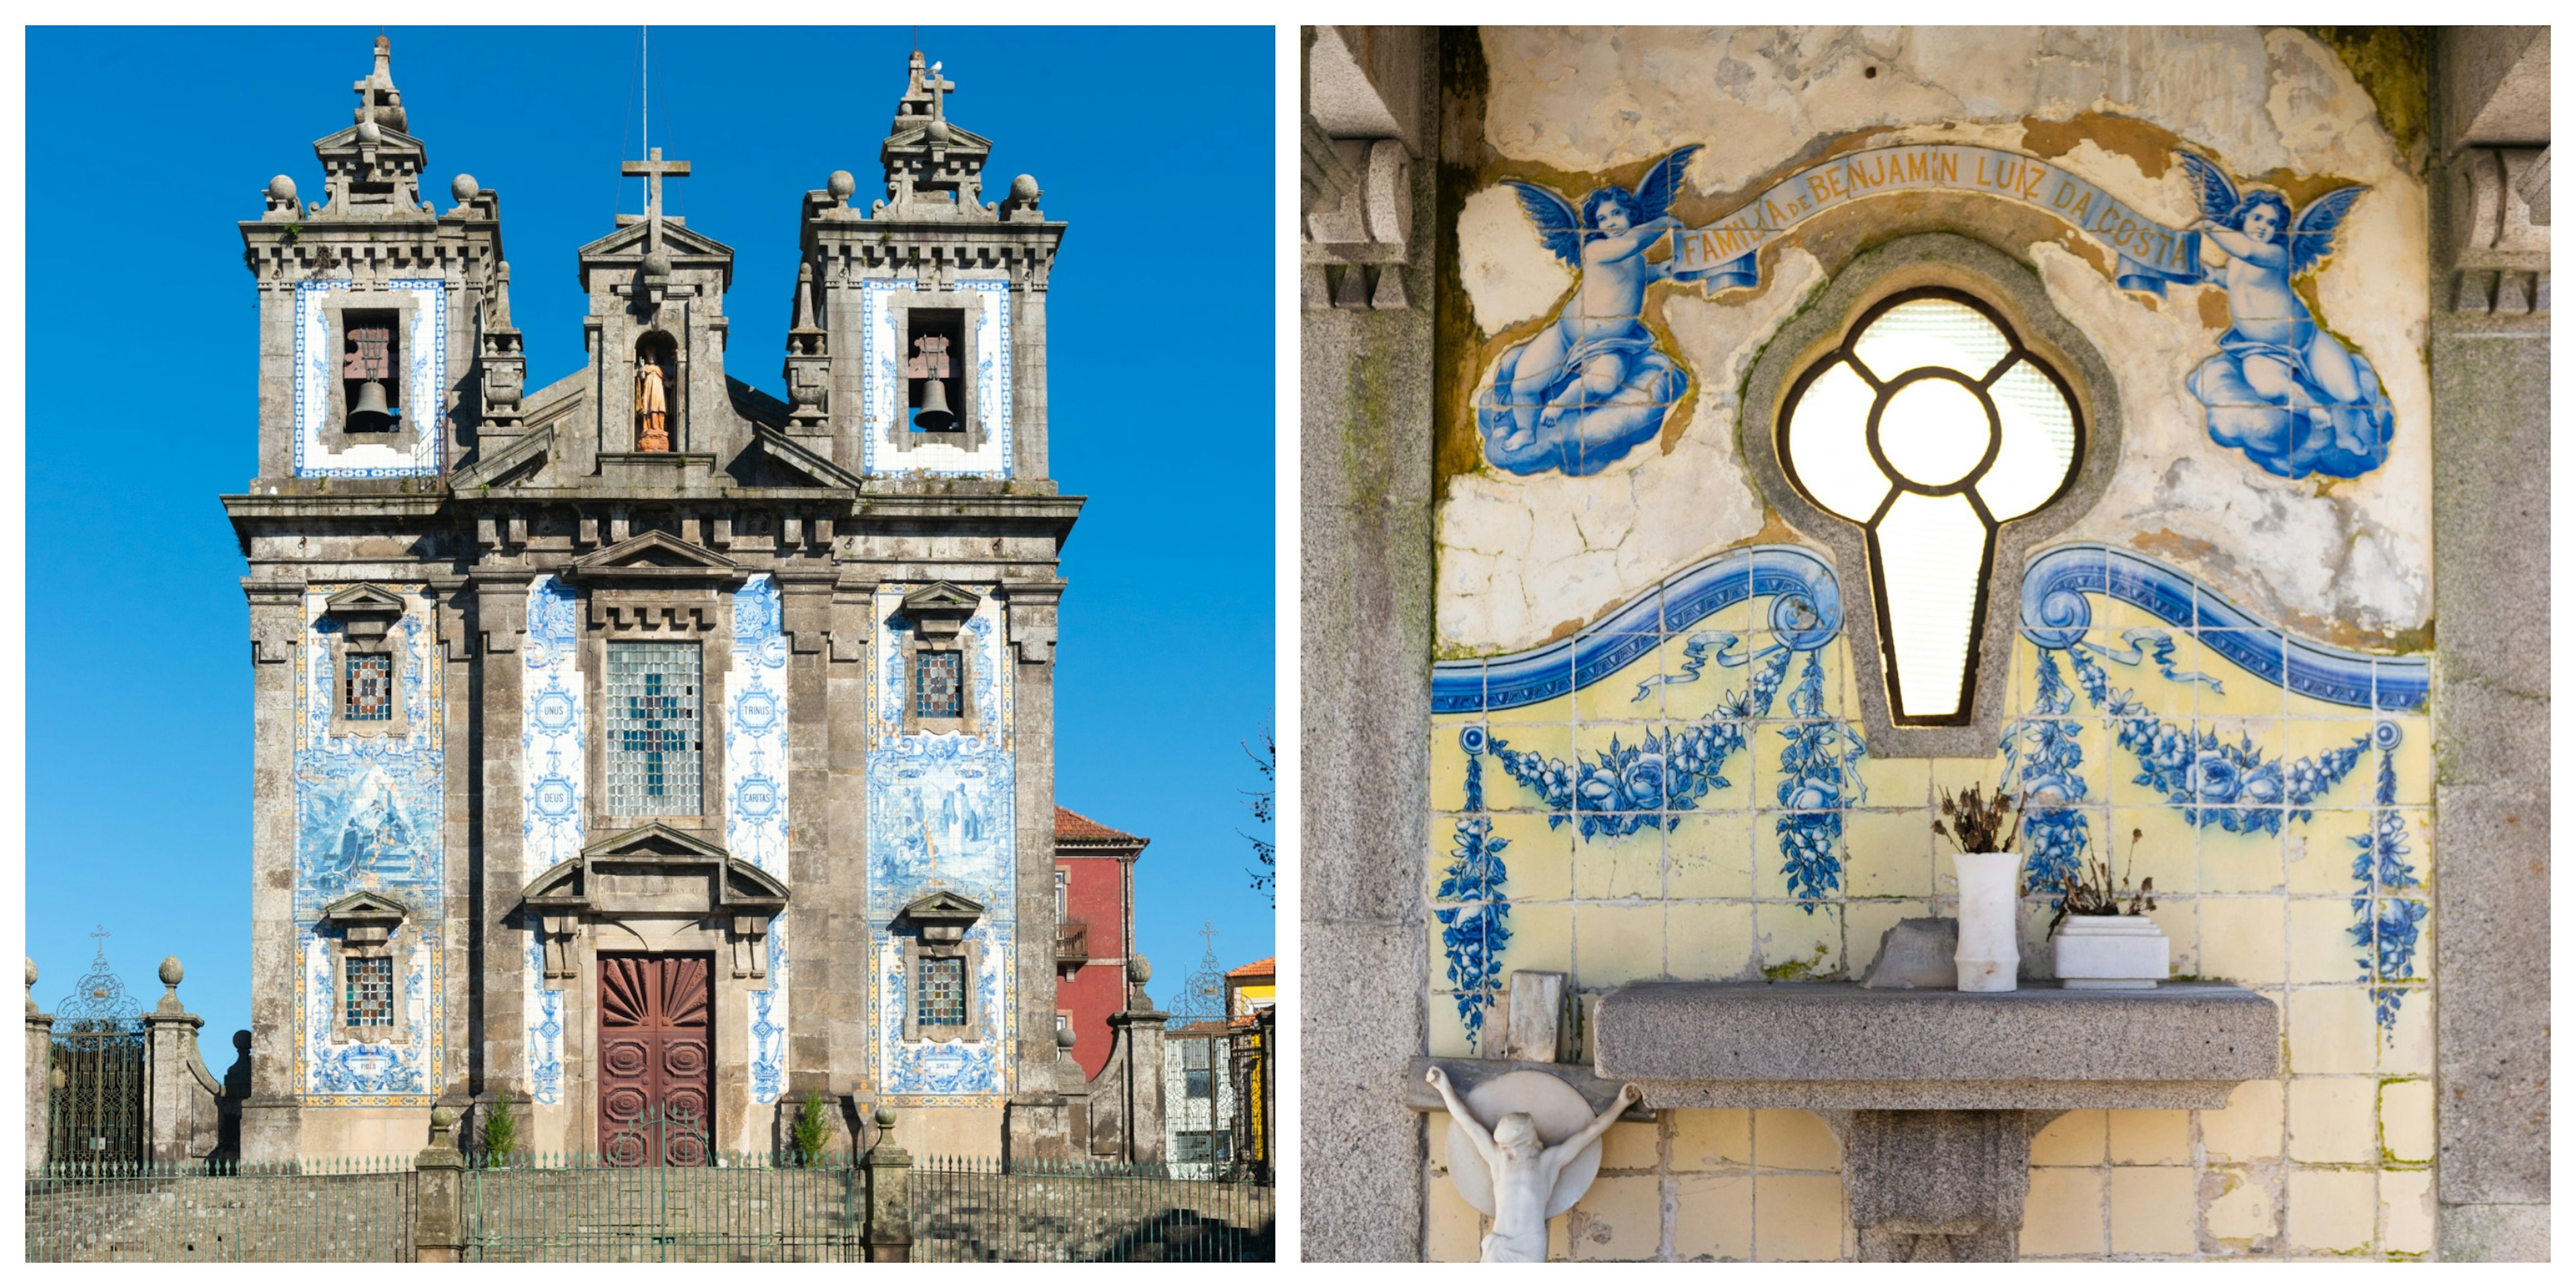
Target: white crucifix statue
<point>1534,1162</point>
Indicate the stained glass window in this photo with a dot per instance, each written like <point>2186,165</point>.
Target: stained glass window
<point>369,687</point>
<point>942,996</point>
<point>370,1000</point>
<point>1929,428</point>
<point>653,744</point>
<point>938,684</point>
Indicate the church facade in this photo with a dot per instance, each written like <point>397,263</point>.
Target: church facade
<point>643,745</point>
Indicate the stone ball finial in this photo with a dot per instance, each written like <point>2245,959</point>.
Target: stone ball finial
<point>1024,190</point>
<point>657,264</point>
<point>282,190</point>
<point>841,185</point>
<point>172,972</point>
<point>465,188</point>
<point>885,1118</point>
<point>1064,1038</point>
<point>241,1041</point>
<point>936,131</point>
<point>1139,970</point>
<point>31,972</point>
<point>370,132</point>
<point>442,1118</point>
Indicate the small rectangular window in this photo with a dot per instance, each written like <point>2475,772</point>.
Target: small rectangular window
<point>1061,878</point>
<point>938,684</point>
<point>368,690</point>
<point>653,721</point>
<point>370,1000</point>
<point>941,996</point>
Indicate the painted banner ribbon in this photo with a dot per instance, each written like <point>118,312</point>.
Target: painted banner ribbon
<point>1721,255</point>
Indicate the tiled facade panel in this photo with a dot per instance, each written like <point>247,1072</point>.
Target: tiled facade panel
<point>1648,754</point>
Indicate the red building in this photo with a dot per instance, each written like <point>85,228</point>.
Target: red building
<point>1095,908</point>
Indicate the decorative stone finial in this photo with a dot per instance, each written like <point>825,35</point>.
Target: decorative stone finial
<point>241,1041</point>
<point>885,1118</point>
<point>1139,970</point>
<point>370,132</point>
<point>172,972</point>
<point>1024,190</point>
<point>465,189</point>
<point>1064,1038</point>
<point>378,100</point>
<point>282,190</point>
<point>657,265</point>
<point>31,986</point>
<point>841,185</point>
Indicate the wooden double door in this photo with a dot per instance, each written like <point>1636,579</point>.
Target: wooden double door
<point>656,1058</point>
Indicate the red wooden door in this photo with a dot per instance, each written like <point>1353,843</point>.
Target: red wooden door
<point>655,1059</point>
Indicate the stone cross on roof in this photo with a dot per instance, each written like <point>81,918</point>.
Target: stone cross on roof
<point>652,168</point>
<point>938,86</point>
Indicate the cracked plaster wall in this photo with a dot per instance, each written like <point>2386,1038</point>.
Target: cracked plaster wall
<point>1523,559</point>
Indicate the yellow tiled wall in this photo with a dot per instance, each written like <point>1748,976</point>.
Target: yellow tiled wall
<point>2332,1160</point>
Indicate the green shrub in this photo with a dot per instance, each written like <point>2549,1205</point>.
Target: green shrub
<point>810,1131</point>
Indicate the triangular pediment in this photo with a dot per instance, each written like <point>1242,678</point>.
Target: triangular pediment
<point>960,139</point>
<point>364,601</point>
<point>748,885</point>
<point>941,598</point>
<point>559,884</point>
<point>942,905</point>
<point>654,556</point>
<point>388,139</point>
<point>677,242</point>
<point>785,453</point>
<point>656,843</point>
<point>365,906</point>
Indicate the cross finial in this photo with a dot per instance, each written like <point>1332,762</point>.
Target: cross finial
<point>100,935</point>
<point>653,168</point>
<point>938,86</point>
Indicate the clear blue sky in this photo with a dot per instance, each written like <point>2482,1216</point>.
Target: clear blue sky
<point>146,145</point>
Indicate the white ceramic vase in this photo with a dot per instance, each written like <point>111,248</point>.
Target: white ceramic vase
<point>1989,954</point>
<point>2111,952</point>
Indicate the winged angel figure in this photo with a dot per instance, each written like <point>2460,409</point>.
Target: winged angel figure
<point>1593,384</point>
<point>2281,388</point>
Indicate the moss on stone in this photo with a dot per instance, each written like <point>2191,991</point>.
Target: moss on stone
<point>2394,66</point>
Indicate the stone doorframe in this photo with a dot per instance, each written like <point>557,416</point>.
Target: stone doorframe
<point>656,889</point>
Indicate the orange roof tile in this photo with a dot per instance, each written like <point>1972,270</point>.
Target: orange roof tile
<point>1266,966</point>
<point>1070,826</point>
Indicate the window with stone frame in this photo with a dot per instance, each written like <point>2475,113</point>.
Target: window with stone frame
<point>939,996</point>
<point>367,993</point>
<point>939,684</point>
<point>366,686</point>
<point>654,750</point>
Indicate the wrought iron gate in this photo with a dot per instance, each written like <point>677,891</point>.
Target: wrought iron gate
<point>96,1100</point>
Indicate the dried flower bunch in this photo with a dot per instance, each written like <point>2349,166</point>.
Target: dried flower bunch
<point>2088,892</point>
<point>1978,825</point>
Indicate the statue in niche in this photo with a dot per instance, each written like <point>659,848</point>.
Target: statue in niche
<point>1578,395</point>
<point>1516,1177</point>
<point>651,405</point>
<point>2282,389</point>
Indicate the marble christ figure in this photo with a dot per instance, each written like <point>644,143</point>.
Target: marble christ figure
<point>1594,383</point>
<point>650,407</point>
<point>1524,1168</point>
<point>2282,389</point>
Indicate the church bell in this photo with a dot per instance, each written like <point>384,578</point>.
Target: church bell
<point>934,415</point>
<point>369,414</point>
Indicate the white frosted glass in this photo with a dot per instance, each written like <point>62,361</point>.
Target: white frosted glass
<point>2038,450</point>
<point>1829,445</point>
<point>1929,550</point>
<point>1930,333</point>
<point>1934,432</point>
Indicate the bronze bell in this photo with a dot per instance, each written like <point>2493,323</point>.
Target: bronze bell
<point>369,415</point>
<point>934,415</point>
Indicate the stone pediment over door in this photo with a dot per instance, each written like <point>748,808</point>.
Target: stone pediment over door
<point>655,871</point>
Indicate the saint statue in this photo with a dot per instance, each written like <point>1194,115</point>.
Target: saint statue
<point>1526,1172</point>
<point>650,407</point>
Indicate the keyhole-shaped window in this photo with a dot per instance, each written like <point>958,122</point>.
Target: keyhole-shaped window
<point>1930,427</point>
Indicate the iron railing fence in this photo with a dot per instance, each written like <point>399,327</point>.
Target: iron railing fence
<point>977,1210</point>
<point>359,1209</point>
<point>739,1207</point>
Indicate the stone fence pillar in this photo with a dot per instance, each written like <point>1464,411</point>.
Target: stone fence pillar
<point>40,1062</point>
<point>1139,1071</point>
<point>889,1173</point>
<point>182,1103</point>
<point>438,1229</point>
